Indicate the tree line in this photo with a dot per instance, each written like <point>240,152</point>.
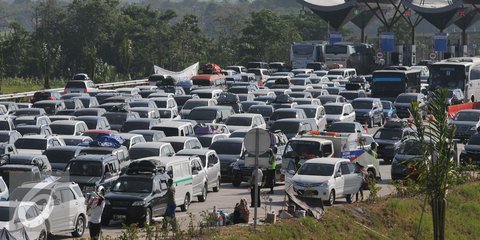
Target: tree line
<point>113,41</point>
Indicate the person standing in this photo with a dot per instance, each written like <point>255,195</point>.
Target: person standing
<point>95,206</point>
<point>360,169</point>
<point>171,206</point>
<point>272,167</point>
<point>256,179</point>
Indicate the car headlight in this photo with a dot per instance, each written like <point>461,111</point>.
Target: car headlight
<point>138,203</point>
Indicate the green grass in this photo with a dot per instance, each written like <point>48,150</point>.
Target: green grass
<point>17,85</point>
<point>392,218</point>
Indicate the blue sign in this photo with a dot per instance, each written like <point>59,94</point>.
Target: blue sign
<point>440,42</point>
<point>387,41</point>
<point>335,37</point>
<point>352,155</point>
<point>387,79</point>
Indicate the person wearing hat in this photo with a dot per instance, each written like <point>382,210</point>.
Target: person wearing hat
<point>95,206</point>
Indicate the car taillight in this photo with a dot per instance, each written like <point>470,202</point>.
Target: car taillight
<point>51,98</point>
<point>65,90</point>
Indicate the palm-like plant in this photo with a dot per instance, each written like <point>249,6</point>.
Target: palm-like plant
<point>436,170</point>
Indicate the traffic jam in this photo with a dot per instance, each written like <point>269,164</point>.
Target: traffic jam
<point>85,157</point>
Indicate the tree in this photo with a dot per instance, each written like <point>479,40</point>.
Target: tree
<point>437,166</point>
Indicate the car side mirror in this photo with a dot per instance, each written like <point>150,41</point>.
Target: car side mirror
<point>338,174</point>
<point>211,165</point>
<point>195,172</point>
<point>345,114</point>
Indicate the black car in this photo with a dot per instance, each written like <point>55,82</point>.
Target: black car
<point>61,155</point>
<point>389,139</point>
<point>471,153</point>
<point>138,196</point>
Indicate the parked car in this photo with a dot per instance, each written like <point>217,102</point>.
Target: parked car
<point>368,111</point>
<point>36,144</point>
<point>94,122</point>
<point>327,179</point>
<point>210,162</point>
<point>68,213</point>
<point>229,151</point>
<point>12,214</point>
<point>117,119</point>
<point>51,107</point>
<point>67,127</point>
<point>60,156</point>
<point>178,143</point>
<point>45,95</point>
<point>466,123</point>
<point>150,135</point>
<point>139,124</point>
<point>245,120</point>
<point>151,149</point>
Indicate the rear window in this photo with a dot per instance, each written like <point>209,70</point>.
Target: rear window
<point>62,129</point>
<point>136,153</point>
<point>42,94</point>
<point>75,85</point>
<point>59,156</point>
<point>39,144</point>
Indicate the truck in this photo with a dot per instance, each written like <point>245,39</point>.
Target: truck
<point>353,146</point>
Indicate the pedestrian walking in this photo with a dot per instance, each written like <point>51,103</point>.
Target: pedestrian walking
<point>272,167</point>
<point>256,179</point>
<point>171,206</point>
<point>360,169</point>
<point>95,206</point>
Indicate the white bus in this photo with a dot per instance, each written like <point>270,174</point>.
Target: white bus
<point>339,53</point>
<point>457,73</point>
<point>306,52</point>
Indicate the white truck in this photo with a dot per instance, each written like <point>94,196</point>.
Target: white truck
<point>353,146</point>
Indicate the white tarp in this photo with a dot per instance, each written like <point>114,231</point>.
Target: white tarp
<point>185,74</point>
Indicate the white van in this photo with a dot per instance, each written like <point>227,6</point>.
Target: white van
<point>179,169</point>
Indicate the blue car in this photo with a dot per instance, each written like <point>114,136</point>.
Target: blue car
<point>389,110</point>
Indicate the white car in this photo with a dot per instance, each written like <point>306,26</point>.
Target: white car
<point>20,218</point>
<point>315,112</point>
<point>3,190</point>
<point>339,112</point>
<point>61,203</point>
<point>245,120</point>
<point>327,179</point>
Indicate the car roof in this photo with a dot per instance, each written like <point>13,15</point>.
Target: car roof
<point>327,160</point>
<point>202,151</point>
<point>149,145</point>
<point>66,122</point>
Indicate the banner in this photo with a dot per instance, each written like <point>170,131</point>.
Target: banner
<point>335,37</point>
<point>185,74</point>
<point>387,41</point>
<point>440,42</point>
<point>352,155</point>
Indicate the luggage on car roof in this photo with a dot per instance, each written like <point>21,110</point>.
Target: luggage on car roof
<point>145,166</point>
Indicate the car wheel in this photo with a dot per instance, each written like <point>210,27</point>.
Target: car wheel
<point>79,227</point>
<point>236,183</point>
<point>186,203</point>
<point>217,187</point>
<point>331,198</point>
<point>148,217</point>
<point>203,197</point>
<point>43,235</point>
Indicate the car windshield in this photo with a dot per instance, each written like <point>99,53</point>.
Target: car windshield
<point>39,196</point>
<point>283,114</point>
<point>341,127</point>
<point>192,104</point>
<point>286,127</point>
<point>326,99</point>
<point>387,133</point>
<point>139,104</point>
<point>25,122</point>
<point>55,156</point>
<point>468,116</point>
<point>229,148</point>
<point>310,112</point>
<point>316,169</point>
<point>6,214</point>
<point>4,138</point>
<point>239,121</point>
<point>333,109</point>
<point>85,168</point>
<point>133,186</point>
<point>264,111</point>
<point>25,143</point>
<point>410,148</point>
<point>406,99</point>
<point>362,104</point>
<point>385,105</point>
<point>349,95</point>
<point>306,149</point>
<point>136,153</point>
<point>115,118</point>
<point>202,114</point>
<point>165,113</point>
<point>62,129</point>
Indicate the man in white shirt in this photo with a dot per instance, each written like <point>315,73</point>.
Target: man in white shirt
<point>95,206</point>
<point>257,178</point>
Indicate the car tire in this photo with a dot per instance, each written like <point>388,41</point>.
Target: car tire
<point>217,187</point>
<point>43,235</point>
<point>236,183</point>
<point>80,226</point>
<point>331,198</point>
<point>147,221</point>
<point>203,197</point>
<point>186,203</point>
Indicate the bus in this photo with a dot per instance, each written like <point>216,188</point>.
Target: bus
<point>457,73</point>
<point>360,56</point>
<point>306,52</point>
<point>388,84</point>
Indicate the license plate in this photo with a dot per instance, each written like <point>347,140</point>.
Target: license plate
<point>118,217</point>
<point>309,193</point>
